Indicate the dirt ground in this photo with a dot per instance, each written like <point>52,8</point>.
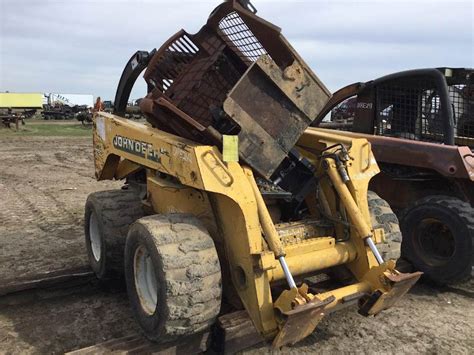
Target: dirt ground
<point>44,182</point>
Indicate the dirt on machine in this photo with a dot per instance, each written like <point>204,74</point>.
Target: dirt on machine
<point>420,124</point>
<point>231,203</point>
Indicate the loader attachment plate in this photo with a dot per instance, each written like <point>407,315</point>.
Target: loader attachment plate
<point>401,283</point>
<point>301,321</point>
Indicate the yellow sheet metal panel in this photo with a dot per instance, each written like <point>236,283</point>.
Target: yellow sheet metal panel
<point>21,100</point>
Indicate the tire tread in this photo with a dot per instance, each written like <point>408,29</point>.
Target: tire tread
<point>383,217</point>
<point>194,302</point>
<point>466,214</point>
<point>119,209</point>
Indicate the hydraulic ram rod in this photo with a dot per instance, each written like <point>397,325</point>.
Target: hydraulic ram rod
<point>269,230</point>
<point>353,210</point>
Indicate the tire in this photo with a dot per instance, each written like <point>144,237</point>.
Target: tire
<point>108,215</point>
<point>173,276</point>
<point>383,217</point>
<point>448,258</point>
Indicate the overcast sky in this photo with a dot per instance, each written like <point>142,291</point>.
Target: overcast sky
<point>81,46</point>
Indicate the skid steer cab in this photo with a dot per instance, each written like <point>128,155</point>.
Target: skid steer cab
<point>230,201</point>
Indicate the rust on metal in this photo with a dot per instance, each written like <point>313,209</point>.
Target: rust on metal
<point>237,75</point>
<point>282,100</point>
<point>421,154</point>
<point>301,321</point>
<point>401,283</point>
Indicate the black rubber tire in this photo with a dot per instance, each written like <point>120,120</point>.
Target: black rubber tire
<point>187,271</point>
<point>447,212</point>
<point>382,216</point>
<point>115,211</point>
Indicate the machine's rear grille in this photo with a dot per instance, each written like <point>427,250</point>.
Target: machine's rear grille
<point>409,108</point>
<point>239,38</point>
<point>173,61</point>
<point>462,101</point>
<point>204,88</point>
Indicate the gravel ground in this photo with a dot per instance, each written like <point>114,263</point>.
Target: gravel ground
<point>44,182</point>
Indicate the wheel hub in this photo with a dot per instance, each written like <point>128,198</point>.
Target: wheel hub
<point>436,241</point>
<point>95,237</point>
<point>145,280</point>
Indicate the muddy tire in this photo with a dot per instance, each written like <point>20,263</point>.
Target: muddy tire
<point>438,234</point>
<point>173,276</point>
<point>108,216</point>
<point>383,217</point>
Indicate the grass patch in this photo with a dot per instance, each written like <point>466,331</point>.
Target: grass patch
<point>48,130</point>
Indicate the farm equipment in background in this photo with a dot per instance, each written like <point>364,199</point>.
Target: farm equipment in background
<point>133,110</point>
<point>230,203</point>
<point>9,117</point>
<point>16,107</point>
<point>57,111</point>
<point>420,124</point>
<point>108,106</point>
<point>67,107</point>
<point>84,114</point>
<point>65,112</point>
<point>342,115</point>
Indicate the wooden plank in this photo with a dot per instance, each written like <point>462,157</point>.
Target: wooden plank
<point>233,332</point>
<point>59,278</point>
<point>138,344</point>
<point>101,347</point>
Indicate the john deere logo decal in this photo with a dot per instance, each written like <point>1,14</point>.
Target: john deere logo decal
<point>138,148</point>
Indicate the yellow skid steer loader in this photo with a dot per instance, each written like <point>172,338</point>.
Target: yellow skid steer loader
<point>230,201</point>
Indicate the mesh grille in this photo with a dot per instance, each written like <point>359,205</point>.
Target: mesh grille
<point>462,101</point>
<point>239,38</point>
<point>197,79</point>
<point>209,89</point>
<point>173,62</point>
<point>410,109</point>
